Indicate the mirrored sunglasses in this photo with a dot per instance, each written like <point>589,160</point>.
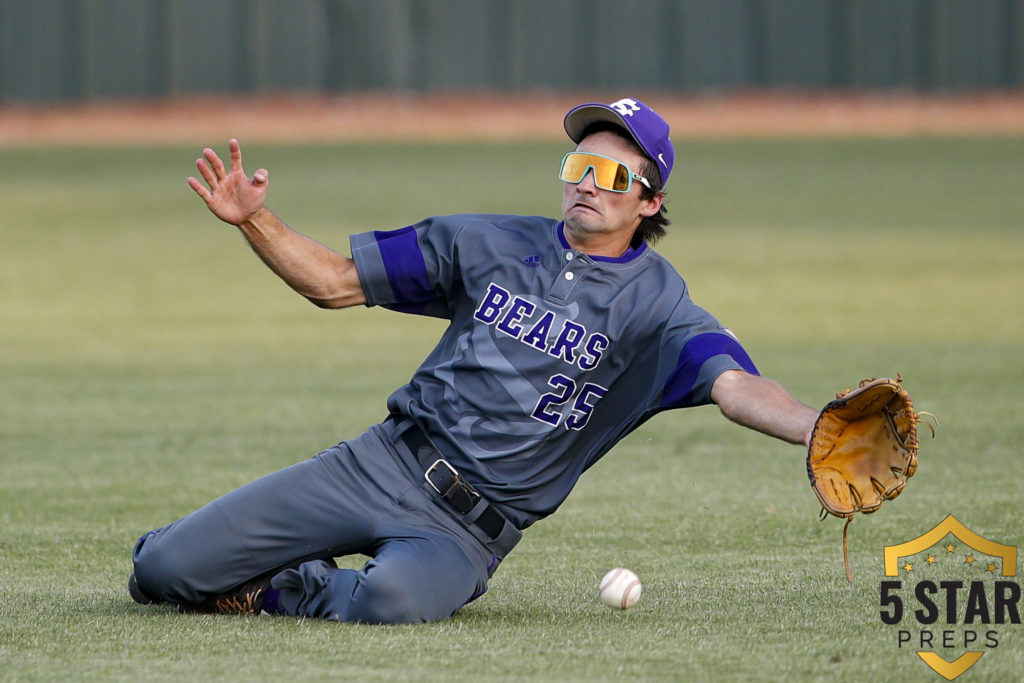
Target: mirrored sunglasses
<point>609,174</point>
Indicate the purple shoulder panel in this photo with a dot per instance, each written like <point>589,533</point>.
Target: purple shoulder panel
<point>404,265</point>
<point>696,352</point>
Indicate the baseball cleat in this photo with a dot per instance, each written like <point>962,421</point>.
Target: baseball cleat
<point>245,599</point>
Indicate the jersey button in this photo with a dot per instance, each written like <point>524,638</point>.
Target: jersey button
<point>568,256</point>
<point>569,276</point>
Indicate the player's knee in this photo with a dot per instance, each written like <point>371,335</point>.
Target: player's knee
<point>387,597</point>
<point>160,570</point>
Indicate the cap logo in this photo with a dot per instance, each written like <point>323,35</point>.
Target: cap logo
<point>625,107</point>
<point>661,158</point>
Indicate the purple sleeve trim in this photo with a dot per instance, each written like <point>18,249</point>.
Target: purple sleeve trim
<point>403,262</point>
<point>679,389</point>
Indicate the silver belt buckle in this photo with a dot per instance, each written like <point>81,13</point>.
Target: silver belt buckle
<point>437,463</point>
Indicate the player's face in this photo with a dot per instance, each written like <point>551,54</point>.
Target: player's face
<point>595,217</point>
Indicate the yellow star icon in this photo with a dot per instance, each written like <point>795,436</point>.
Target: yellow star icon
<point>908,567</point>
<point>931,559</point>
<point>991,567</point>
<point>969,560</point>
<point>950,548</point>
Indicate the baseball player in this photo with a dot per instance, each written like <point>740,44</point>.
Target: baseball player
<point>563,336</point>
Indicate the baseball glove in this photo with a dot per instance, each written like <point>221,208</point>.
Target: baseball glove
<point>863,449</point>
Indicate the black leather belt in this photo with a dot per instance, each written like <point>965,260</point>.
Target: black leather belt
<point>445,480</point>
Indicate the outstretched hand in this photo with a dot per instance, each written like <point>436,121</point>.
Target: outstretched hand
<point>232,196</point>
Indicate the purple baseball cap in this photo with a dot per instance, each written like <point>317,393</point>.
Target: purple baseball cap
<point>648,129</point>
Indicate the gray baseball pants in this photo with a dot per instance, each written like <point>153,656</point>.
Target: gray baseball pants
<point>362,496</point>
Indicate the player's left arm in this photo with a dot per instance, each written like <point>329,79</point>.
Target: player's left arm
<point>764,405</point>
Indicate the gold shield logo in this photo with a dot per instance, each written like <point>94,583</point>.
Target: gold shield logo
<point>966,606</point>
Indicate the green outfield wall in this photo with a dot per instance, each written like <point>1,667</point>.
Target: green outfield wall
<point>53,50</point>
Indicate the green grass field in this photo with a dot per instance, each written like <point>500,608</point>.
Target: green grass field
<point>149,362</point>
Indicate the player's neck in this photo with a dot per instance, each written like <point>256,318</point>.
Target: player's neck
<point>610,245</point>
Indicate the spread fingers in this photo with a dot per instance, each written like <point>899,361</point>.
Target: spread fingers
<point>215,163</point>
<point>200,189</point>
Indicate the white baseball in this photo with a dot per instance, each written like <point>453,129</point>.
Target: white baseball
<point>620,588</point>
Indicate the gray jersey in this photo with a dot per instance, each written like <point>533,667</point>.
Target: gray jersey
<point>551,356</point>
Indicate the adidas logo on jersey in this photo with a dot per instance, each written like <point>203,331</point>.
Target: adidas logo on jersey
<point>532,261</point>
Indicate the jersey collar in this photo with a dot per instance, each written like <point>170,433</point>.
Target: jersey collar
<point>629,255</point>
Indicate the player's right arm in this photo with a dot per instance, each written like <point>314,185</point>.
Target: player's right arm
<point>323,276</point>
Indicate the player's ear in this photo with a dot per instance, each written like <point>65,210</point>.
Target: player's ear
<point>649,207</point>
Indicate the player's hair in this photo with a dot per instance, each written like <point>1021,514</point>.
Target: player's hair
<point>651,228</point>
